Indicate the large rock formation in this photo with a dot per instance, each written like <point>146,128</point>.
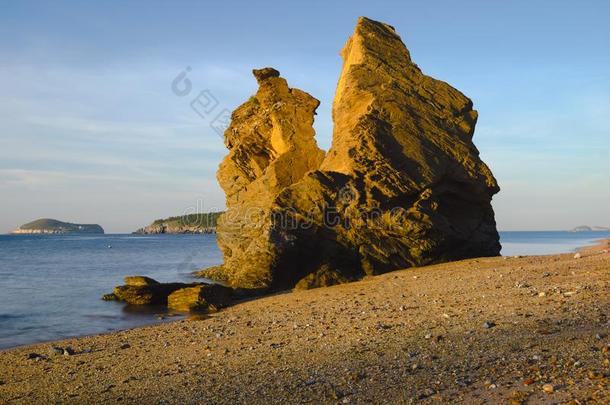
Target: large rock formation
<point>401,186</point>
<point>271,146</point>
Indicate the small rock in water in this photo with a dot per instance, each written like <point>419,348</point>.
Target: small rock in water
<point>577,256</point>
<point>548,388</point>
<point>488,324</point>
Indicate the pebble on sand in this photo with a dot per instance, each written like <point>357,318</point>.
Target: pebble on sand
<point>548,388</point>
<point>57,350</point>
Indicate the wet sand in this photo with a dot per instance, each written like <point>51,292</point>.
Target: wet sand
<point>493,330</point>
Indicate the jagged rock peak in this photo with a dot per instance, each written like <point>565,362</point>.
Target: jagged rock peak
<point>265,73</point>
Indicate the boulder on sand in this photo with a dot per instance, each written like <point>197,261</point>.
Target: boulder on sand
<point>204,297</point>
<point>140,290</point>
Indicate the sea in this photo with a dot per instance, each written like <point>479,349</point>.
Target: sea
<point>51,285</point>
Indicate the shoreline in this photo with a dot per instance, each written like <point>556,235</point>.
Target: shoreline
<point>432,333</point>
<point>597,246</point>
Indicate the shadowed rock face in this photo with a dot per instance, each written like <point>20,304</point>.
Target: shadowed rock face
<point>401,186</point>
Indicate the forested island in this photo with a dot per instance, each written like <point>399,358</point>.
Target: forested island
<point>192,223</point>
<point>53,226</point>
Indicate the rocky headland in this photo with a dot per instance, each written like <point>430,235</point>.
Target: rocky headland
<point>191,223</point>
<point>53,226</point>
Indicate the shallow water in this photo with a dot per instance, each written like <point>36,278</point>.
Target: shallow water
<point>547,242</point>
<point>50,286</point>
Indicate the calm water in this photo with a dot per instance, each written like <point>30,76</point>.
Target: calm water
<point>50,286</point>
<point>546,243</point>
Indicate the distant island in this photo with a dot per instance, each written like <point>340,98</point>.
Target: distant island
<point>53,226</point>
<point>586,228</point>
<point>193,223</point>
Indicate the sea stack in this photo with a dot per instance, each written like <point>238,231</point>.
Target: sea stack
<point>271,146</point>
<point>401,186</point>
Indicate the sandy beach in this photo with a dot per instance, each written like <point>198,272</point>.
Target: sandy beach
<point>517,330</point>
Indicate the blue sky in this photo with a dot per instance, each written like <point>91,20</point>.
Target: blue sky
<point>90,130</point>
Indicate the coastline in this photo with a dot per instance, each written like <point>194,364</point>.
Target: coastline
<point>600,246</point>
<point>416,334</point>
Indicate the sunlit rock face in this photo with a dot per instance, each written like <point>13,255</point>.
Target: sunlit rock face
<point>271,146</point>
<point>401,186</point>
